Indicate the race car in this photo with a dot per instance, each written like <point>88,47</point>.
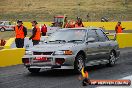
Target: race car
<point>72,48</point>
<point>6,26</point>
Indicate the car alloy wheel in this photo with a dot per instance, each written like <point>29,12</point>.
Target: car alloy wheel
<point>79,63</point>
<point>112,59</point>
<point>2,29</point>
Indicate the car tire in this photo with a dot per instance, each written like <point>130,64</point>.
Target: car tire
<point>34,70</point>
<point>2,29</point>
<point>112,59</point>
<point>79,63</point>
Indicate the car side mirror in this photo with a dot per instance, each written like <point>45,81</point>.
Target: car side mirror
<point>90,40</point>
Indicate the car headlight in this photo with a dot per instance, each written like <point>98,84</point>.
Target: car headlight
<point>29,53</point>
<point>63,52</point>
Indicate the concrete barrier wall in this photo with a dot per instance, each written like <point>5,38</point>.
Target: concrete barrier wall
<point>106,25</point>
<point>1,47</point>
<point>29,25</point>
<point>10,57</point>
<point>124,40</point>
<point>109,25</point>
<point>9,43</point>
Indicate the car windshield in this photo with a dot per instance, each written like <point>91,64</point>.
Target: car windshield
<point>1,22</point>
<point>71,35</point>
<point>58,19</point>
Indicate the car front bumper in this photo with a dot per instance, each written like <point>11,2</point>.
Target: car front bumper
<point>51,64</point>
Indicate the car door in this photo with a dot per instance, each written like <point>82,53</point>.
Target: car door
<point>103,44</point>
<point>92,47</point>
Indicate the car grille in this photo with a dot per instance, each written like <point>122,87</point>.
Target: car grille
<point>42,53</point>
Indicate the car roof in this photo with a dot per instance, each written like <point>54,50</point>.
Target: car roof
<point>82,28</point>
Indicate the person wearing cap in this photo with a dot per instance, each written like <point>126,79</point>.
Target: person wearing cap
<point>119,28</point>
<point>36,33</point>
<point>20,32</point>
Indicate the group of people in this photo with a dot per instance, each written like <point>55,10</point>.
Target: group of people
<point>73,24</point>
<point>21,32</point>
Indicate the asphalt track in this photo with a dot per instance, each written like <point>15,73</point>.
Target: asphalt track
<point>19,77</point>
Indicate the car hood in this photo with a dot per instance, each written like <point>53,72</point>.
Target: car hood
<point>53,47</point>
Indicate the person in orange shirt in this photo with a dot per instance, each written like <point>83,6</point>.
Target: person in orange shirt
<point>20,32</point>
<point>70,24</point>
<point>79,23</point>
<point>119,28</point>
<point>36,33</point>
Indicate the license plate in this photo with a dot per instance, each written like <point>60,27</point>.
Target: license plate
<point>42,59</point>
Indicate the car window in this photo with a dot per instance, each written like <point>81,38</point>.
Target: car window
<point>92,34</point>
<point>1,23</point>
<point>6,23</point>
<point>68,35</point>
<point>102,36</point>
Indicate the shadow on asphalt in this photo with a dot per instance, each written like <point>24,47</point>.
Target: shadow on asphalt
<point>65,73</point>
<point>54,73</point>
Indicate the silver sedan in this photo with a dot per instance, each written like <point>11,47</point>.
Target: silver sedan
<point>72,48</point>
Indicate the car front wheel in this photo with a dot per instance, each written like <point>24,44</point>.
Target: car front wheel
<point>79,63</point>
<point>2,29</point>
<point>112,59</point>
